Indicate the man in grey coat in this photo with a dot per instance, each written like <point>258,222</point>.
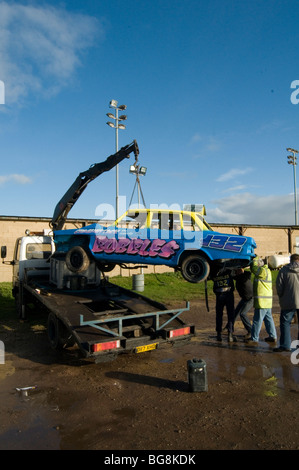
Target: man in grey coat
<point>287,286</point>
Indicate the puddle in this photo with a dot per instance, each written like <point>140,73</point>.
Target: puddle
<point>37,436</point>
<point>279,379</point>
<point>273,373</point>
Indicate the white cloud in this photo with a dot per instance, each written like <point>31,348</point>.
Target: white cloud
<point>196,138</point>
<point>213,145</point>
<point>248,208</point>
<point>240,187</point>
<point>16,178</point>
<point>233,173</point>
<point>207,145</point>
<point>40,48</point>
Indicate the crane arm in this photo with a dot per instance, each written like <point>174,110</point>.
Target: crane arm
<point>76,189</point>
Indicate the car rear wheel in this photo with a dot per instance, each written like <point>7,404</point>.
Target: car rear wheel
<point>77,259</point>
<point>195,268</point>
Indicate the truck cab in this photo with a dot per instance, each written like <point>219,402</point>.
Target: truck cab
<point>31,257</point>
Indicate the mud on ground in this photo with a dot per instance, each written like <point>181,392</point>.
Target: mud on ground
<point>142,401</point>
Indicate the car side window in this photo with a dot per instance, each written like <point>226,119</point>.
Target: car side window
<point>165,221</point>
<point>189,223</point>
<point>174,221</point>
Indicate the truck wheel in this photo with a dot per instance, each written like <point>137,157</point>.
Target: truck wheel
<point>77,259</point>
<point>58,335</point>
<point>195,269</point>
<point>20,307</point>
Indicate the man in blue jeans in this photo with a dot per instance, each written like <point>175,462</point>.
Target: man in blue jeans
<point>245,290</point>
<point>287,286</point>
<point>262,295</point>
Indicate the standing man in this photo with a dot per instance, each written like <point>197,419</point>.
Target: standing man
<point>262,302</point>
<point>244,288</point>
<point>287,286</point>
<point>223,288</point>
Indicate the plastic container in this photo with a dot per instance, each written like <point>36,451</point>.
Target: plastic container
<point>277,261</point>
<point>138,282</point>
<point>197,375</point>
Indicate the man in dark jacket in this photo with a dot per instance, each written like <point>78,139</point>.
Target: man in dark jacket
<point>244,288</point>
<point>287,286</point>
<point>223,287</point>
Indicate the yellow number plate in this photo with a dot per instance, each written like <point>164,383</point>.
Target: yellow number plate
<point>147,347</point>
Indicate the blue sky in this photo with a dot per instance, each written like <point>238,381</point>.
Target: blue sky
<point>208,92</point>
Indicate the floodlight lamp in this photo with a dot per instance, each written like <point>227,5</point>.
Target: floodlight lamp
<point>142,170</point>
<point>110,124</point>
<point>123,117</point>
<point>113,104</point>
<point>133,169</point>
<point>122,107</point>
<point>110,115</point>
<point>121,126</point>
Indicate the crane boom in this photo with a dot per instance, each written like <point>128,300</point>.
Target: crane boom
<point>76,189</point>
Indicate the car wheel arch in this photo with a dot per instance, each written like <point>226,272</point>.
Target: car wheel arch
<point>187,253</point>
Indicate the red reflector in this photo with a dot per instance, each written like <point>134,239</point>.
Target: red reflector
<point>179,332</point>
<point>104,346</point>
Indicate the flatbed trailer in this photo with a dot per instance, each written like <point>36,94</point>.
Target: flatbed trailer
<point>105,321</point>
<point>83,307</point>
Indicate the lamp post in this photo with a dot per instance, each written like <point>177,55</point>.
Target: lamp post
<point>292,160</point>
<point>116,125</point>
<point>138,170</point>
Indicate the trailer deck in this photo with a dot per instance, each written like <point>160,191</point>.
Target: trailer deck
<point>107,320</point>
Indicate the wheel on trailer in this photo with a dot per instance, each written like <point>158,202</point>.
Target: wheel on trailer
<point>195,268</point>
<point>77,259</point>
<point>58,335</point>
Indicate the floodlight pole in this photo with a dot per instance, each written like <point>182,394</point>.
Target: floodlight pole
<point>292,160</point>
<point>116,150</point>
<point>116,126</point>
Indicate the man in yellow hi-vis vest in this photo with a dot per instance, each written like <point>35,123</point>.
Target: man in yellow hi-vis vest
<point>262,295</point>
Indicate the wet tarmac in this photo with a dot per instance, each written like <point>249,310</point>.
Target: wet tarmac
<point>143,401</point>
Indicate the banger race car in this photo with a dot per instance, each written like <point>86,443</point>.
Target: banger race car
<point>180,239</point>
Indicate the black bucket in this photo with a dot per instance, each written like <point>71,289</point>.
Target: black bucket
<point>197,375</point>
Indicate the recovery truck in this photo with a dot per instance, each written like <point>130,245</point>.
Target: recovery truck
<point>101,318</point>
